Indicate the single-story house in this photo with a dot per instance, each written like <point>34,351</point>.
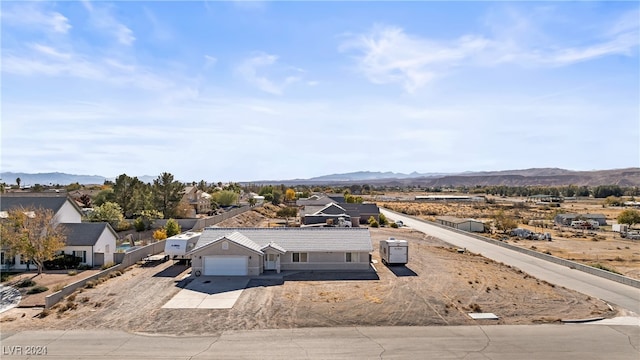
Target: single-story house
<point>314,215</point>
<point>251,251</point>
<point>566,219</point>
<point>95,243</point>
<point>364,211</point>
<point>470,225</point>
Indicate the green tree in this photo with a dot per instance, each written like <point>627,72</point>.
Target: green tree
<point>108,212</point>
<point>383,219</point>
<point>504,222</point>
<point>276,197</point>
<point>103,196</point>
<point>73,187</point>
<point>629,216</point>
<point>147,218</point>
<point>290,195</point>
<point>287,213</point>
<point>373,222</point>
<point>225,197</point>
<point>128,192</point>
<point>172,228</point>
<point>167,194</point>
<point>32,233</point>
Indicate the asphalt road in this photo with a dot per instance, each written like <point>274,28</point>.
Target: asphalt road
<point>446,342</point>
<point>612,292</point>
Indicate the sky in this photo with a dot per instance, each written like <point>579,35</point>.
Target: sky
<point>244,91</point>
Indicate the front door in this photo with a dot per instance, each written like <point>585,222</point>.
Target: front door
<point>270,262</point>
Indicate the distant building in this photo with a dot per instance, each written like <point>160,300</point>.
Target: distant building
<point>566,219</point>
<point>470,225</point>
<point>452,198</point>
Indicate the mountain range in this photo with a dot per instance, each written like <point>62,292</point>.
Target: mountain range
<point>524,177</point>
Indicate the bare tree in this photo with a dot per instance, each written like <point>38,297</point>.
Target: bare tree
<point>33,234</point>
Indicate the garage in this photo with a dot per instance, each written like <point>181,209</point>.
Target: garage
<point>226,265</point>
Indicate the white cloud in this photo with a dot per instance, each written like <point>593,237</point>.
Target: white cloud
<point>102,18</point>
<point>387,54</point>
<point>253,70</point>
<point>32,14</point>
<point>210,61</point>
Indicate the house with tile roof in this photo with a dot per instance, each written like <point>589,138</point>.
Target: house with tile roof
<point>93,243</point>
<point>252,251</point>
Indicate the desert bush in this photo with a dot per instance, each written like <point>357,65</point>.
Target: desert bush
<point>475,308</point>
<point>58,287</point>
<point>37,289</point>
<point>72,272</point>
<point>394,225</point>
<point>26,283</point>
<point>71,297</point>
<point>84,267</point>
<point>84,299</point>
<point>123,225</point>
<point>90,284</point>
<point>373,222</point>
<point>160,234</point>
<point>108,265</point>
<point>602,267</point>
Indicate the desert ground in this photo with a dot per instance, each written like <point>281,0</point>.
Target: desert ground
<point>439,286</point>
<point>602,247</point>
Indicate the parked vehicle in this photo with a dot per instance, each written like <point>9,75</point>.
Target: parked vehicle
<point>177,246</point>
<point>394,251</point>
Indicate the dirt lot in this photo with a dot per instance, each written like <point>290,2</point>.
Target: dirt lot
<point>439,286</point>
<point>602,248</point>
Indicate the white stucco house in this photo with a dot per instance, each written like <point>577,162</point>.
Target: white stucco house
<point>252,251</point>
<point>94,243</point>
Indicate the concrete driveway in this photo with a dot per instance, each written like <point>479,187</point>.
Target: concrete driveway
<point>209,292</point>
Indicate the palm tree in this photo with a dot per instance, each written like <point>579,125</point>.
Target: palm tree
<point>18,181</point>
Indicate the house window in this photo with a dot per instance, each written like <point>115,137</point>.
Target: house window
<point>81,254</point>
<point>352,257</point>
<point>300,257</point>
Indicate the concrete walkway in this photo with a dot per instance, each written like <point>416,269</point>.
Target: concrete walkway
<point>508,342</point>
<point>209,292</point>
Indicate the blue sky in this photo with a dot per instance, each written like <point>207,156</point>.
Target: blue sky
<point>238,91</point>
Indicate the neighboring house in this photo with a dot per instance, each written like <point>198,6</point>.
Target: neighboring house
<point>313,209</point>
<point>313,215</point>
<point>96,240</point>
<point>251,251</point>
<point>94,243</point>
<point>199,200</point>
<point>566,219</point>
<point>470,225</point>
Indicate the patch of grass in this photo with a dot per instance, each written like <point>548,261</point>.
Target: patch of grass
<point>602,267</point>
<point>37,289</point>
<point>5,276</point>
<point>26,283</point>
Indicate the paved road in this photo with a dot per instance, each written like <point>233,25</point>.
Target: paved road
<point>612,292</point>
<point>445,342</point>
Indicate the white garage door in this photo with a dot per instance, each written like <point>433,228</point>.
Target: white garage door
<point>226,265</point>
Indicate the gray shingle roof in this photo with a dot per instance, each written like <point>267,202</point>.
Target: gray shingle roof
<point>11,202</point>
<point>84,234</point>
<point>298,239</point>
